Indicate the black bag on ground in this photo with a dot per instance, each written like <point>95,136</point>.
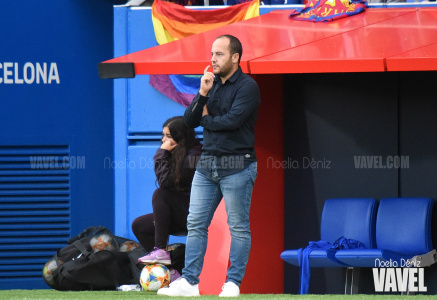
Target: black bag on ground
<point>96,259</point>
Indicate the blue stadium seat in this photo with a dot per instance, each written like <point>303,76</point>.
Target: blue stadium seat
<point>352,218</point>
<point>403,230</point>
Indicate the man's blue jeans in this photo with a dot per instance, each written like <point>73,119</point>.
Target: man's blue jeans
<point>206,194</point>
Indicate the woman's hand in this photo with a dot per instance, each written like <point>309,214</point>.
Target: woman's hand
<point>169,145</point>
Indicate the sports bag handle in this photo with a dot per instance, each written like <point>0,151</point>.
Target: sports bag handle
<point>79,246</point>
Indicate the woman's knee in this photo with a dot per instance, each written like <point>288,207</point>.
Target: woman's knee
<point>143,224</point>
<point>136,224</point>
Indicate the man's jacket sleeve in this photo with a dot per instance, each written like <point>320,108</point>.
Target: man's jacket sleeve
<point>193,113</point>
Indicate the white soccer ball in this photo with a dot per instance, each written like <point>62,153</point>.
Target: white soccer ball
<point>154,277</point>
<point>102,242</point>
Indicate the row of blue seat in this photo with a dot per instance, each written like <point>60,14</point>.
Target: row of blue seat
<point>393,230</point>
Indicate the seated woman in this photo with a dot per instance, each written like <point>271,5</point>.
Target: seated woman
<point>175,164</point>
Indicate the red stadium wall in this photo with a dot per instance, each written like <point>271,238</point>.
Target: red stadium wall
<point>267,211</point>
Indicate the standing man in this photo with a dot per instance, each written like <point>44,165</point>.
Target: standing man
<point>226,106</point>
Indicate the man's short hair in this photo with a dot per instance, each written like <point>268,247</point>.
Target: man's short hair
<point>234,45</point>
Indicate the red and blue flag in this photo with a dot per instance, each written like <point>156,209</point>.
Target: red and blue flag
<point>328,10</point>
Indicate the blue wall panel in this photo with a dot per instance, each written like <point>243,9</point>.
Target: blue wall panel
<point>70,106</point>
<point>141,180</point>
<point>148,109</point>
<point>140,111</point>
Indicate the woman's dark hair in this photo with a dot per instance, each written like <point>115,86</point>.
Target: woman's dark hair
<point>186,139</point>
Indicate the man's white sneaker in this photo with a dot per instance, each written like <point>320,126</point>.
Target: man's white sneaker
<point>230,289</point>
<point>180,287</point>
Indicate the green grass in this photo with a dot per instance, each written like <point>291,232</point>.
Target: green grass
<point>53,294</point>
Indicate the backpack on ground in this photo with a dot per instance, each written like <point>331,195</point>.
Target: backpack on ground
<point>95,259</point>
